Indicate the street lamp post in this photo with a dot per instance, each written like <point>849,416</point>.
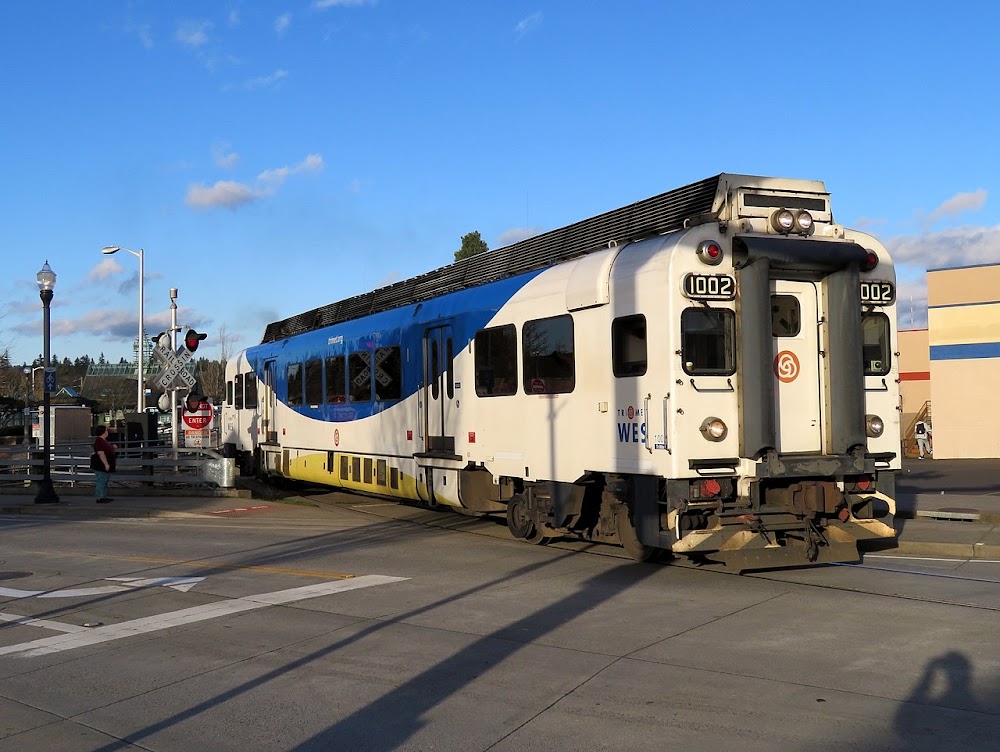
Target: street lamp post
<point>141,396</point>
<point>46,493</point>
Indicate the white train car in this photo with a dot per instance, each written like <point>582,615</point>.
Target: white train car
<point>709,372</point>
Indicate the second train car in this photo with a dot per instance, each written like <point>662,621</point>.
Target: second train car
<point>709,372</point>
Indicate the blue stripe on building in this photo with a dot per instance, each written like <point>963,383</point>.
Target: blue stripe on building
<point>966,352</point>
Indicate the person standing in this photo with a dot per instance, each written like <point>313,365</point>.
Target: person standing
<point>103,463</point>
<point>922,432</point>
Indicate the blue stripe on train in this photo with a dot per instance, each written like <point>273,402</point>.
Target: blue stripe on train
<point>465,311</point>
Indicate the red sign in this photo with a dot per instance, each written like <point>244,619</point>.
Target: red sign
<point>201,419</point>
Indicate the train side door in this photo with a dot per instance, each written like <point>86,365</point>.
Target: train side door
<point>439,389</point>
<point>796,366</point>
<point>268,400</point>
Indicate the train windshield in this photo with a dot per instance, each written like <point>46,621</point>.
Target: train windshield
<point>875,327</point>
<point>708,341</point>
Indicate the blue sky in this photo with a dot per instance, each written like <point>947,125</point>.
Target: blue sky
<point>270,157</point>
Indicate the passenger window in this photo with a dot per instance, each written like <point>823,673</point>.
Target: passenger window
<point>549,357</point>
<point>234,392</point>
<point>496,361</point>
<point>786,316</point>
<point>388,374</point>
<point>875,333</point>
<point>294,375</point>
<point>336,378</point>
<point>360,372</point>
<point>314,382</point>
<point>628,346</point>
<point>435,371</point>
<point>708,341</point>
<point>449,365</point>
<point>250,391</point>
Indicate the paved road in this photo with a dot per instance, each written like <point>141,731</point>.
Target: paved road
<point>359,625</point>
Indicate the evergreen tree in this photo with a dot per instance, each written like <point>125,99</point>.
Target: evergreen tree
<point>472,245</point>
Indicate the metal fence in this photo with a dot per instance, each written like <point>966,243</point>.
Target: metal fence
<point>141,464</point>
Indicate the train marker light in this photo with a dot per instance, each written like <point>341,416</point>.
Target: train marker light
<point>710,252</point>
<point>192,339</point>
<point>870,263</point>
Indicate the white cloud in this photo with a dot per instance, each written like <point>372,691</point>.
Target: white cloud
<point>324,4</point>
<point>234,17</point>
<point>231,194</point>
<point>277,176</point>
<point>224,158</point>
<point>262,82</point>
<point>960,202</point>
<point>516,235</point>
<point>281,23</point>
<point>225,193</point>
<point>954,246</point>
<point>529,23</point>
<point>193,33</point>
<point>109,267</point>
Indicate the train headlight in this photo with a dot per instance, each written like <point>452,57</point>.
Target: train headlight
<point>710,252</point>
<point>783,221</point>
<point>874,426</point>
<point>714,429</point>
<point>804,222</point>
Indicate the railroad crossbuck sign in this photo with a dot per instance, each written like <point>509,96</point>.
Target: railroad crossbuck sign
<point>174,371</point>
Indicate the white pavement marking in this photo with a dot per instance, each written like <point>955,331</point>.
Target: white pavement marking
<point>190,615</point>
<point>131,583</point>
<point>30,621</point>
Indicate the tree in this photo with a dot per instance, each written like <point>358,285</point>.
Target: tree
<point>472,245</point>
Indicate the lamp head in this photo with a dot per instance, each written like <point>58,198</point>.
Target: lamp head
<point>46,278</point>
<point>109,249</point>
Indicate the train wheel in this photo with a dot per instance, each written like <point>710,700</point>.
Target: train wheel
<point>629,540</point>
<point>518,521</point>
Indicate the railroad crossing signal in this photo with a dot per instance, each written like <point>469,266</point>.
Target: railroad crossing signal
<point>174,373</point>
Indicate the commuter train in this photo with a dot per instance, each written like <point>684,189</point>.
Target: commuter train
<point>709,372</point>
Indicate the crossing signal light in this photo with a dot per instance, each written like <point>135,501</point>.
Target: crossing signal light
<point>193,401</point>
<point>192,338</point>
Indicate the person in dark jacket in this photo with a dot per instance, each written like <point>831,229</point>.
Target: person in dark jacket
<point>103,462</point>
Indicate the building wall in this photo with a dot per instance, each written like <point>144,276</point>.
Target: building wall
<point>963,320</point>
<point>914,374</point>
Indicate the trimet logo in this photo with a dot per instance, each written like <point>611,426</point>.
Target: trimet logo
<point>786,366</point>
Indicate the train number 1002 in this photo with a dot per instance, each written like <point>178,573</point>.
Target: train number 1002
<point>710,287</point>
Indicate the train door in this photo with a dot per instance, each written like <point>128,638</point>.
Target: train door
<point>268,401</point>
<point>796,365</point>
<point>439,389</point>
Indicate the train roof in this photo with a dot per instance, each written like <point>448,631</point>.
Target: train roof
<point>657,215</point>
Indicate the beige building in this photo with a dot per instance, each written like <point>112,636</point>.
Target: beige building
<point>951,370</point>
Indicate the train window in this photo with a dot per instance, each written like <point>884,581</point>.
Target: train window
<point>336,378</point>
<point>388,374</point>
<point>496,361</point>
<point>549,360</point>
<point>294,374</point>
<point>236,400</point>
<point>708,341</point>
<point>360,373</point>
<point>314,382</point>
<point>877,354</point>
<point>786,316</point>
<point>628,345</point>
<point>250,391</point>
